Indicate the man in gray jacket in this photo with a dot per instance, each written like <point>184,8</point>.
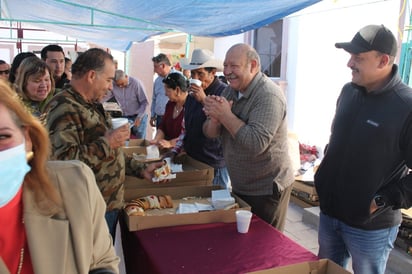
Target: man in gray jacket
<point>250,117</point>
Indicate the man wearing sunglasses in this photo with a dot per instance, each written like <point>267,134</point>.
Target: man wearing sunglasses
<point>4,70</point>
<point>161,66</point>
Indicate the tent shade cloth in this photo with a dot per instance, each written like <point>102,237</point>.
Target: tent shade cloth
<point>118,23</point>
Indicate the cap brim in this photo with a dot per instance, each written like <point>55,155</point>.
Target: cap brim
<point>351,48</point>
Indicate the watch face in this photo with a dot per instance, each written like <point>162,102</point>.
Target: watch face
<point>380,202</point>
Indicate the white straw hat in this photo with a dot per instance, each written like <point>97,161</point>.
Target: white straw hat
<point>203,58</point>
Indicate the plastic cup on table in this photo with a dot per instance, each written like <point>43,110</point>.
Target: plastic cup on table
<point>243,218</point>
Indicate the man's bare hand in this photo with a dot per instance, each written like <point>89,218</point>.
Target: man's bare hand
<point>117,137</point>
<point>148,172</point>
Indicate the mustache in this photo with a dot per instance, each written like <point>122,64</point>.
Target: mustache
<point>230,76</point>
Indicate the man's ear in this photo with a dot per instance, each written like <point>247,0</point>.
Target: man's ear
<point>253,65</point>
<point>384,60</point>
<point>91,75</point>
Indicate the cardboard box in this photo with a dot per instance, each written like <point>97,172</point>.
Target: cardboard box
<point>300,186</point>
<point>194,173</point>
<point>306,178</point>
<point>307,193</point>
<point>113,109</point>
<point>305,196</point>
<point>139,146</point>
<point>139,150</point>
<point>137,143</point>
<point>322,266</point>
<point>300,202</point>
<point>144,222</point>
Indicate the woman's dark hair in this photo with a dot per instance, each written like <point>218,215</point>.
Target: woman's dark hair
<point>176,79</point>
<point>16,63</point>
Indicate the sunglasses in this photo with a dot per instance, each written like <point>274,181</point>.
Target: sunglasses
<point>5,71</point>
<point>170,79</point>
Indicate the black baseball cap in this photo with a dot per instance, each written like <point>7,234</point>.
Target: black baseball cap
<point>371,37</point>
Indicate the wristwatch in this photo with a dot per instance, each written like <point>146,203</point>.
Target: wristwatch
<point>379,201</point>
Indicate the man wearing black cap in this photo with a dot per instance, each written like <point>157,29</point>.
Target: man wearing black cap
<point>363,179</point>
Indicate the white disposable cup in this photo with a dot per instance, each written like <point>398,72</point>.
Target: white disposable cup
<point>197,82</point>
<point>243,218</point>
<point>118,122</point>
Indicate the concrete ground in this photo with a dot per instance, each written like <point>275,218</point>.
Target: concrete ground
<point>301,226</point>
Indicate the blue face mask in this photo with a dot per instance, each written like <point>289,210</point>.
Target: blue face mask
<point>13,168</point>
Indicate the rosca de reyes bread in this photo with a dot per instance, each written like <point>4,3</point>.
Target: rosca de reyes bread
<point>138,206</point>
<point>163,171</point>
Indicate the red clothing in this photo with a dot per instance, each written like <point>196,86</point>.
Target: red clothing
<point>170,126</point>
<point>13,236</point>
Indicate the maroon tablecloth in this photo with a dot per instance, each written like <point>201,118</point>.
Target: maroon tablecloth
<point>209,248</point>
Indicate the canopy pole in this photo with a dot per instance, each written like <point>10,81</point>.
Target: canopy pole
<point>188,41</point>
<point>126,58</point>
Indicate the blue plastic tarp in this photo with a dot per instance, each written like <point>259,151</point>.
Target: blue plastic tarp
<point>118,23</point>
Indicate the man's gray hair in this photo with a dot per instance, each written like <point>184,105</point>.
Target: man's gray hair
<point>119,74</point>
<point>253,55</point>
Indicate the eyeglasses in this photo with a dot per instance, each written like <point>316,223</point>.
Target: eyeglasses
<point>169,78</point>
<point>157,65</point>
<point>4,71</point>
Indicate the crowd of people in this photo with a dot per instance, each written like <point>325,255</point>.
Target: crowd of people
<point>63,166</point>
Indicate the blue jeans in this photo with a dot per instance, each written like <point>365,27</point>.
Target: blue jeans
<point>140,131</point>
<point>369,248</point>
<point>111,220</point>
<point>222,177</point>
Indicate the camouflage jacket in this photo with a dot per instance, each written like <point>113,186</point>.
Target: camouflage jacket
<point>77,130</point>
<point>34,107</point>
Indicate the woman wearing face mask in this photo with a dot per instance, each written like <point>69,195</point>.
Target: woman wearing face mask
<point>34,84</point>
<point>51,213</point>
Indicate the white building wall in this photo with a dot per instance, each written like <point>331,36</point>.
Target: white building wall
<point>313,70</point>
<point>224,43</point>
<point>316,70</point>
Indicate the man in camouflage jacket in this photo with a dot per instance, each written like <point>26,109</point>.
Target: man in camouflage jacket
<point>80,129</point>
